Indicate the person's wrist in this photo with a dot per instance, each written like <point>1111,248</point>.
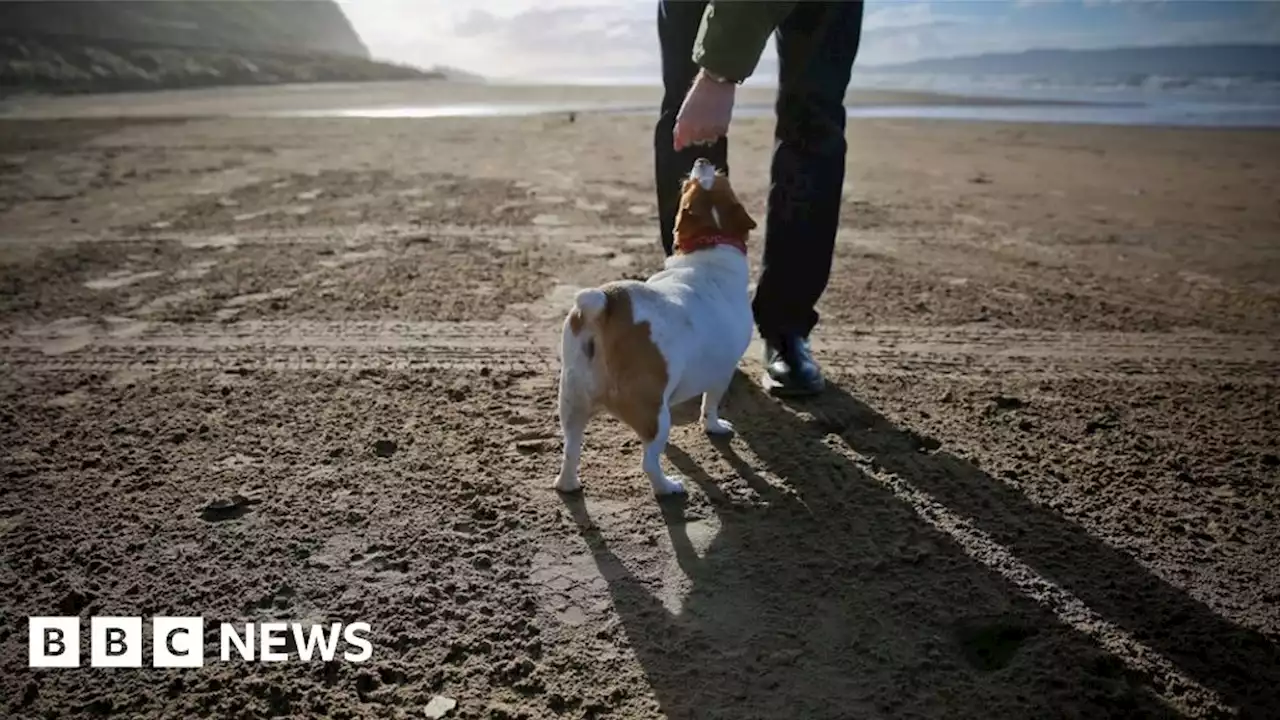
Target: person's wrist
<point>716,77</point>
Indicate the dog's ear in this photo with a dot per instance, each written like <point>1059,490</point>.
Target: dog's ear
<point>735,220</point>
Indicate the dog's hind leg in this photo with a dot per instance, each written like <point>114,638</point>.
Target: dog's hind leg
<point>663,484</point>
<point>575,413</point>
<point>711,421</point>
<point>574,417</point>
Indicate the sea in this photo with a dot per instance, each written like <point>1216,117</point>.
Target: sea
<point>1144,100</point>
<point>1240,102</point>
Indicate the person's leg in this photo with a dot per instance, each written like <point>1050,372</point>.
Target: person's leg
<point>678,22</point>
<point>817,44</point>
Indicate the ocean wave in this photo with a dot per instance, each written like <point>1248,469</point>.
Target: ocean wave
<point>1255,89</point>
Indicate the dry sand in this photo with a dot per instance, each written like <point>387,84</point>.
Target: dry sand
<point>1044,484</point>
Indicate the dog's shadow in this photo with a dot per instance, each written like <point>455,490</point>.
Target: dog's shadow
<point>828,596</point>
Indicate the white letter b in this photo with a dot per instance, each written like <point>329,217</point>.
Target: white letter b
<point>53,642</point>
<point>115,642</point>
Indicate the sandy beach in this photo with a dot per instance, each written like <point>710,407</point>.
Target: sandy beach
<point>313,98</point>
<point>305,368</point>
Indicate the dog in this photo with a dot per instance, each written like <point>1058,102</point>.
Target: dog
<point>636,349</point>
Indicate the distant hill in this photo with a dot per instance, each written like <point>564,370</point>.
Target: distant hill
<point>458,75</point>
<point>278,26</point>
<point>111,45</point>
<point>1254,61</point>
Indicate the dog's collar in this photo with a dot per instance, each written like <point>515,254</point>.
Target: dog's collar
<point>686,245</point>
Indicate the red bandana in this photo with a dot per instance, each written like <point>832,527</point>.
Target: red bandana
<point>686,245</point>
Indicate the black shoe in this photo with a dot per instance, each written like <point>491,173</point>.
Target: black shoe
<point>789,368</point>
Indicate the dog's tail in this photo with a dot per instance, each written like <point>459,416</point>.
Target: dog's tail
<point>590,303</point>
<point>578,350</point>
<point>582,326</point>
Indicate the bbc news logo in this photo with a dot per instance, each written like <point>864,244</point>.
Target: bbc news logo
<point>178,642</point>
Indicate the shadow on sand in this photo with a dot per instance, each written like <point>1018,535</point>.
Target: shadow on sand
<point>830,597</point>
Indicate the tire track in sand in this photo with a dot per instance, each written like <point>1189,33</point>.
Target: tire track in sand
<point>892,351</point>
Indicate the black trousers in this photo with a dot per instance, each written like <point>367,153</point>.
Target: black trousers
<point>817,44</point>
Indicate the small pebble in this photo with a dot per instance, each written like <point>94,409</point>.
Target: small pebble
<point>440,706</point>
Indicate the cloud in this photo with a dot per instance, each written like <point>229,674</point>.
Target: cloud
<point>517,38</point>
<point>478,22</point>
<point>562,39</point>
<point>898,16</point>
<point>579,40</point>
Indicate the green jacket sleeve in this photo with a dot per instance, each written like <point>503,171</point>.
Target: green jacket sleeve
<point>733,35</point>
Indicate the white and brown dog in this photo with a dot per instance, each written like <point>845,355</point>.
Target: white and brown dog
<point>636,349</point>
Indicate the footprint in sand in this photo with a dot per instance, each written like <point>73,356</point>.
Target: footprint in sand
<point>570,587</point>
<point>165,302</point>
<point>591,249</point>
<point>349,258</point>
<point>195,270</point>
<point>125,327</point>
<point>243,300</point>
<point>246,217</point>
<point>120,278</point>
<point>125,378</point>
<point>75,333</point>
<point>615,258</point>
<point>65,335</point>
<point>220,242</point>
<point>598,207</point>
<point>71,399</point>
<point>507,206</point>
<point>613,192</point>
<point>233,306</point>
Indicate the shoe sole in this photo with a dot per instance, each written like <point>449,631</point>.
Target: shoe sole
<point>777,389</point>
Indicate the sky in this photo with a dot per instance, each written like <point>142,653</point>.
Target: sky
<point>616,40</point>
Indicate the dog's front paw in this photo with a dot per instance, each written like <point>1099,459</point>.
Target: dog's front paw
<point>722,428</point>
<point>568,484</point>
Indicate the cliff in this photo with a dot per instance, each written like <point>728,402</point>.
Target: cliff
<point>109,45</point>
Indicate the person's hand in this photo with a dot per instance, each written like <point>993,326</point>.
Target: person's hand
<point>704,116</point>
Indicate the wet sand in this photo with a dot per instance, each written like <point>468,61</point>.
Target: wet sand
<point>305,369</point>
<point>321,97</point>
